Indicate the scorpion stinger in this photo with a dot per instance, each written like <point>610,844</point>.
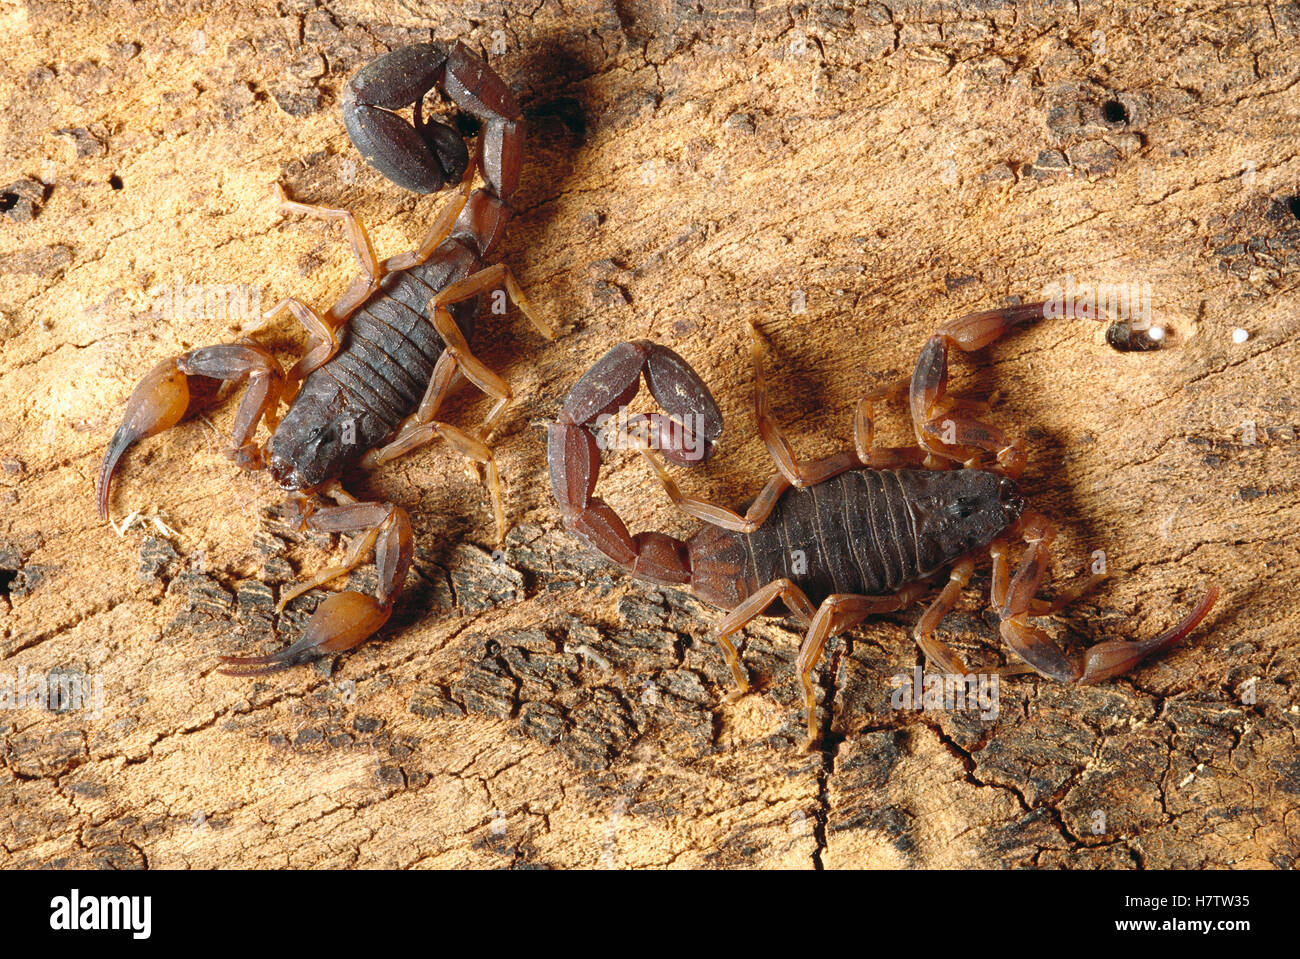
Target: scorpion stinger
<point>876,525</point>
<point>384,357</point>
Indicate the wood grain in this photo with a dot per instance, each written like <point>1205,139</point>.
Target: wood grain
<point>847,174</point>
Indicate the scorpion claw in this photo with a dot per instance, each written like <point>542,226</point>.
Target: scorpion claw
<point>342,621</point>
<point>158,403</point>
<point>1116,657</point>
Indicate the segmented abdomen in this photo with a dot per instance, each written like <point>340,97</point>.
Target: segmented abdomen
<point>389,346</point>
<point>857,532</point>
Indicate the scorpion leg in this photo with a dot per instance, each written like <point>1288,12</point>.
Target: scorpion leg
<point>414,435</point>
<point>782,453</point>
<point>864,431</point>
<point>936,651</point>
<point>1037,607</point>
<point>344,620</point>
<point>1103,661</point>
<point>837,613</point>
<point>358,237</point>
<point>943,425</point>
<point>162,398</point>
<point>753,606</point>
<point>324,329</point>
<point>458,358</point>
<point>789,471</point>
<point>323,333</point>
<point>441,229</point>
<point>490,278</point>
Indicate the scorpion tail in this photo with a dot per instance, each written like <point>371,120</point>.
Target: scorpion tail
<point>341,622</point>
<point>158,403</point>
<point>685,436</point>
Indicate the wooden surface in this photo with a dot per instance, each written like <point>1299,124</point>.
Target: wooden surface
<point>888,167</point>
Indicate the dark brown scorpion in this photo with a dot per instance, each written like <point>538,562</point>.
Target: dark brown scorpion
<point>385,355</point>
<point>872,526</point>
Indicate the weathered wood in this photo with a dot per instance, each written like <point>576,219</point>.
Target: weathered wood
<point>848,174</point>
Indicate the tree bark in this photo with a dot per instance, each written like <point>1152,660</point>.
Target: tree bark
<point>846,175</point>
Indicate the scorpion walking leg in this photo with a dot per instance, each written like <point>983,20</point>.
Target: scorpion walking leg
<point>943,430</point>
<point>344,620</point>
<point>943,425</point>
<point>324,329</point>
<point>489,278</point>
<point>789,471</point>
<point>753,606</point>
<point>438,232</point>
<point>796,473</point>
<point>457,358</point>
<point>418,434</point>
<point>1100,662</point>
<point>1037,607</point>
<point>936,651</point>
<point>356,231</point>
<point>162,398</point>
<point>323,333</point>
<point>864,431</point>
<point>838,612</point>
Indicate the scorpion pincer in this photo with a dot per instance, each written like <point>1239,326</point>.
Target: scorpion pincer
<point>384,357</point>
<point>875,525</point>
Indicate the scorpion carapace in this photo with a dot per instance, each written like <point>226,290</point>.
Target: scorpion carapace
<point>384,357</point>
<point>862,532</point>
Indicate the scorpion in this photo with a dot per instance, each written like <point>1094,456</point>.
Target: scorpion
<point>877,525</point>
<point>383,358</point>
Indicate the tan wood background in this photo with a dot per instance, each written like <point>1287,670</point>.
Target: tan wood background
<point>690,167</point>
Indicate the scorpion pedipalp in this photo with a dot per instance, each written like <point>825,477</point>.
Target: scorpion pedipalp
<point>162,398</point>
<point>158,403</point>
<point>341,622</point>
<point>344,620</point>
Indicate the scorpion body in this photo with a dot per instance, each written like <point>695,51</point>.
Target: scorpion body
<point>836,540</point>
<point>386,359</point>
<point>865,531</point>
<point>382,358</point>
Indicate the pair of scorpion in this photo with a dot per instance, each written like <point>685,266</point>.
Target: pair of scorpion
<point>876,525</point>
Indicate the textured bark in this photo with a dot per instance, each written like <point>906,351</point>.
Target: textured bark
<point>848,175</point>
